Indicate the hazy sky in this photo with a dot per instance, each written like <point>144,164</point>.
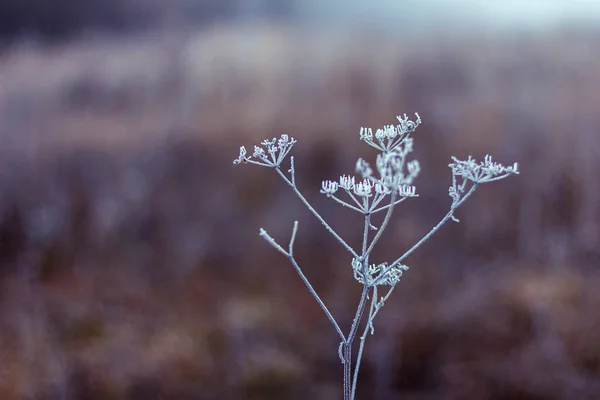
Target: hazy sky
<point>533,13</point>
<point>528,10</point>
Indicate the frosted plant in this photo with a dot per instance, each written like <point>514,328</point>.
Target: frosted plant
<point>375,190</point>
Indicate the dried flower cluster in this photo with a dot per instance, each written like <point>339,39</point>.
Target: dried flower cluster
<point>377,274</point>
<point>272,155</point>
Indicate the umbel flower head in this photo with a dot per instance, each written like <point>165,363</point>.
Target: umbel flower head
<point>271,154</point>
<point>471,171</point>
<point>486,171</point>
<point>393,174</point>
<point>390,137</point>
<point>395,144</point>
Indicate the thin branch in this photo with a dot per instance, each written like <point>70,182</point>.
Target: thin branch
<point>373,311</point>
<point>426,237</point>
<point>262,164</point>
<point>263,234</point>
<point>365,242</point>
<point>348,344</point>
<point>283,155</point>
<point>292,170</point>
<point>376,200</point>
<point>466,196</point>
<point>342,202</point>
<point>386,220</point>
<point>312,291</point>
<point>353,197</point>
<point>497,178</point>
<point>293,238</point>
<point>381,303</point>
<point>359,312</point>
<point>435,228</point>
<point>316,214</point>
<point>363,338</point>
<point>347,371</point>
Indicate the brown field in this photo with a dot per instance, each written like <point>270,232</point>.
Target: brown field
<point>130,262</point>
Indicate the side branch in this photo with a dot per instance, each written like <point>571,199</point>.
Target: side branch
<point>449,215</point>
<point>386,220</point>
<point>290,256</point>
<point>316,214</point>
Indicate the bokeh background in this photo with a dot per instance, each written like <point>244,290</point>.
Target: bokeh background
<point>130,261</point>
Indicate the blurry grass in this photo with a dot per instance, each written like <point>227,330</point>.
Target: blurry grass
<point>130,261</point>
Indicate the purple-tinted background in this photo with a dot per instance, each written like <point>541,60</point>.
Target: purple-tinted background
<point>130,261</point>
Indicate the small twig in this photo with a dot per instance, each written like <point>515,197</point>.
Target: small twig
<point>292,171</point>
<point>289,255</point>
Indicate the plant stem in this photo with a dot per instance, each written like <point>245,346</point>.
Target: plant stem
<point>363,338</point>
<point>386,220</point>
<point>348,344</point>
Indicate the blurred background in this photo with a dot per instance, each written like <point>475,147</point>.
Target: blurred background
<point>130,261</point>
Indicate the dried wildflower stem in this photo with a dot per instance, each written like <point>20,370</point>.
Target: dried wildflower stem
<point>394,143</point>
<point>374,310</point>
<point>363,338</point>
<point>349,382</point>
<point>348,394</point>
<point>347,345</point>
